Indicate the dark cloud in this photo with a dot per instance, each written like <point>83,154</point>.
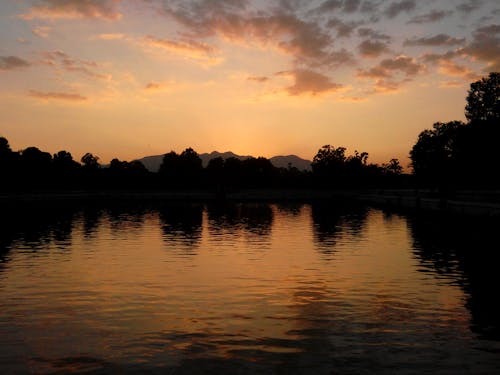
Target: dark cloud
<point>469,6</point>
<point>329,6</point>
<point>366,32</point>
<point>433,41</point>
<point>372,48</point>
<point>12,62</point>
<point>432,16</point>
<point>351,6</point>
<point>370,7</point>
<point>485,46</point>
<point>344,29</point>
<point>397,7</point>
<point>105,9</point>
<point>309,82</point>
<point>344,6</point>
<point>57,96</point>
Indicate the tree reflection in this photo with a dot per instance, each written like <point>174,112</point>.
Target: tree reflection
<point>254,219</point>
<point>333,220</point>
<point>291,208</point>
<point>125,218</point>
<point>91,220</point>
<point>182,224</point>
<point>464,249</point>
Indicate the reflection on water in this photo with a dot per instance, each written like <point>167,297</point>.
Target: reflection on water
<point>246,288</point>
<point>463,253</point>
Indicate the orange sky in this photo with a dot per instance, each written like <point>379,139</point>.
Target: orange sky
<point>130,78</point>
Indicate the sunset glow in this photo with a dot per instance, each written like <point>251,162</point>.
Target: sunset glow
<point>130,78</point>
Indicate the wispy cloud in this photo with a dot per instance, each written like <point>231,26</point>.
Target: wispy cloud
<point>64,96</point>
<point>74,9</point>
<point>111,36</point>
<point>13,62</point>
<point>188,48</point>
<point>432,16</point>
<point>260,79</point>
<point>434,41</point>
<point>62,61</point>
<point>398,7</point>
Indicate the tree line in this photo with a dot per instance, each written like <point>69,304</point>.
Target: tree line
<point>33,169</point>
<point>451,155</point>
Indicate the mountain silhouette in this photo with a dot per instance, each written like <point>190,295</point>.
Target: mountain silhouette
<point>152,163</point>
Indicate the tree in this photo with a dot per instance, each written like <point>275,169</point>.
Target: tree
<point>90,161</point>
<point>433,157</point>
<point>483,99</point>
<point>4,146</point>
<point>184,169</point>
<point>393,167</point>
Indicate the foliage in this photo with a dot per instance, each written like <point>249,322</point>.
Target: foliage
<point>461,154</point>
<point>483,99</point>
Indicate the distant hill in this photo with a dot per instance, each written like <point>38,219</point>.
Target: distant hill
<point>152,163</point>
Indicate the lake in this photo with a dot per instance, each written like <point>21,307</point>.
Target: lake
<point>325,288</point>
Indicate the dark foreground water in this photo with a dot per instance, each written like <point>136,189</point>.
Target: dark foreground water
<point>244,289</point>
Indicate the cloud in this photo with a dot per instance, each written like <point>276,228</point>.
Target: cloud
<point>372,48</point>
<point>386,68</point>
<point>485,46</point>
<point>71,97</point>
<point>157,87</point>
<point>74,9</point>
<point>41,31</point>
<point>450,68</point>
<point>397,7</point>
<point>469,6</point>
<point>344,29</point>
<point>391,73</point>
<point>434,41</point>
<point>366,32</point>
<point>112,36</point>
<point>12,62</point>
<point>188,48</point>
<point>62,61</point>
<point>351,6</point>
<point>306,41</point>
<point>260,79</point>
<point>432,16</point>
<point>309,82</point>
<point>345,6</point>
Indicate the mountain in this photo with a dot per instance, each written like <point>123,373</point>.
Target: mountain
<point>152,163</point>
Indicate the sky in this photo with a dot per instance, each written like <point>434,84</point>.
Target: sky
<point>130,78</point>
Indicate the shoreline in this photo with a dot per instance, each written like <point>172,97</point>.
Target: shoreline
<point>485,203</point>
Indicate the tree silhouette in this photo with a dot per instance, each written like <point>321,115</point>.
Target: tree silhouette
<point>461,154</point>
<point>181,170</point>
<point>90,161</point>
<point>483,99</point>
<point>393,167</point>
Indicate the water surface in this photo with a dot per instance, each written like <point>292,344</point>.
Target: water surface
<point>247,288</point>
